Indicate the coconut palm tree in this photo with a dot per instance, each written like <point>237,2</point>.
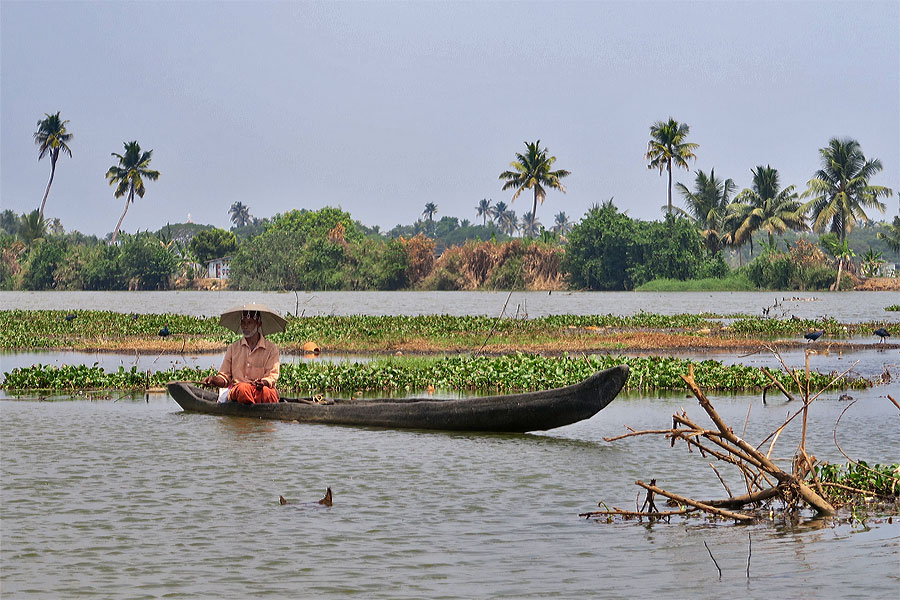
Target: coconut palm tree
<point>508,222</point>
<point>841,252</point>
<point>532,171</point>
<point>561,225</point>
<point>497,210</point>
<point>240,214</point>
<point>891,235</point>
<point>708,205</point>
<point>841,191</point>
<point>767,207</point>
<point>483,210</point>
<point>667,146</point>
<point>32,227</point>
<point>51,138</point>
<point>128,176</point>
<point>428,213</point>
<point>531,227</point>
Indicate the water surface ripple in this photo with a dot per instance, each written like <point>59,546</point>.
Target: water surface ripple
<point>136,499</point>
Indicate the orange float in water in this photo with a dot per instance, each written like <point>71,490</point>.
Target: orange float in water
<point>310,348</point>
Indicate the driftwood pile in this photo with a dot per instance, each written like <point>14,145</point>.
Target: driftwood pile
<point>763,479</point>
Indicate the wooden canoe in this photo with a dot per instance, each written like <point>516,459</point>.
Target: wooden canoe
<point>515,413</point>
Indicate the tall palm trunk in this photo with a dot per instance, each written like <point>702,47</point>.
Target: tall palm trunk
<point>53,157</point>
<point>669,169</point>
<point>128,200</point>
<point>837,284</point>
<point>533,212</point>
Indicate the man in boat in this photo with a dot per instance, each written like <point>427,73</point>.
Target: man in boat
<point>251,366</point>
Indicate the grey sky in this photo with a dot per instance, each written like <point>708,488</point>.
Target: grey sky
<point>379,108</point>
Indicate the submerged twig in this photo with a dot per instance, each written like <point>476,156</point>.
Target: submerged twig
<point>713,559</point>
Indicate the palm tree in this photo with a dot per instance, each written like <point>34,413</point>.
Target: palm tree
<point>240,214</point>
<point>508,222</point>
<point>497,211</point>
<point>767,207</point>
<point>842,253</point>
<point>531,227</point>
<point>891,235</point>
<point>667,145</point>
<point>51,137</point>
<point>32,227</point>
<point>128,176</point>
<point>841,190</point>
<point>532,171</point>
<point>483,210</point>
<point>708,206</point>
<point>561,224</point>
<point>430,211</point>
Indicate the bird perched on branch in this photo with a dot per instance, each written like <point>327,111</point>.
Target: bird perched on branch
<point>813,335</point>
<point>882,333</point>
<point>164,331</point>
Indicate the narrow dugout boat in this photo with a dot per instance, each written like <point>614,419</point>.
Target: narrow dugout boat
<point>514,413</point>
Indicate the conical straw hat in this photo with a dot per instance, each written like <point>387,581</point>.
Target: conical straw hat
<point>272,322</point>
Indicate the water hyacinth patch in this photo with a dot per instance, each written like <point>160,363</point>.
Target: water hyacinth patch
<point>461,374</point>
<point>104,330</point>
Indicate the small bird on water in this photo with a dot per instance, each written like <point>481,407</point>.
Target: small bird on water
<point>882,333</point>
<point>813,335</point>
<point>164,331</point>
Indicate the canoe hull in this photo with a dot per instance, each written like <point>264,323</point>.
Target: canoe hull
<point>514,413</point>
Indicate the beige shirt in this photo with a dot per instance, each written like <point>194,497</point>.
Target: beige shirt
<point>243,364</point>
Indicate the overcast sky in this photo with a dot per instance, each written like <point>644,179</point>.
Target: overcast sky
<point>379,108</point>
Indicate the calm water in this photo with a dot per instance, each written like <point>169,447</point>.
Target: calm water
<point>844,306</point>
<point>136,499</point>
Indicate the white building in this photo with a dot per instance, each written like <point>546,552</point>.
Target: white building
<point>217,268</point>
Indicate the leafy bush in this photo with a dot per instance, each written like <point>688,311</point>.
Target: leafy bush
<point>103,269</point>
<point>268,262</point>
<point>146,263</point>
<point>212,243</point>
<point>601,248</point>
<point>44,257</point>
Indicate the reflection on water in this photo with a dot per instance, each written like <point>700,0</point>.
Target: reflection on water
<point>122,499</point>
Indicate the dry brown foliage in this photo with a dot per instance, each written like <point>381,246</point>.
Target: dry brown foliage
<point>492,265</point>
<point>806,254</point>
<point>336,235</point>
<point>420,257</point>
<point>11,256</point>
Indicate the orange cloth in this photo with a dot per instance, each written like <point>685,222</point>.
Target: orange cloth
<point>241,364</point>
<point>246,393</point>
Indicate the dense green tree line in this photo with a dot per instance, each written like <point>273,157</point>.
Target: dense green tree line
<point>326,249</point>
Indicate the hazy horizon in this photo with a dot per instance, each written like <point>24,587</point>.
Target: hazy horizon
<point>379,108</point>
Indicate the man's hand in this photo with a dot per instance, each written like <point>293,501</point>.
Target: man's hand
<point>260,383</point>
<point>214,381</point>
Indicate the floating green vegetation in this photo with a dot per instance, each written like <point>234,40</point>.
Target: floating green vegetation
<point>763,327</point>
<point>80,329</point>
<point>394,375</point>
<point>23,329</point>
<point>892,307</point>
<point>847,481</point>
